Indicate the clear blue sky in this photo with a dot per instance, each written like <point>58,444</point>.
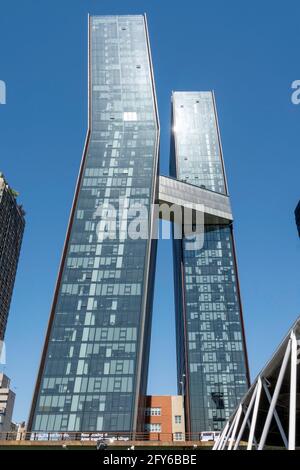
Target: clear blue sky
<point>248,52</point>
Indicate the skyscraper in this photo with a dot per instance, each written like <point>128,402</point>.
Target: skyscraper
<point>212,361</point>
<point>93,373</point>
<point>297,216</point>
<point>12,225</point>
<point>94,367</point>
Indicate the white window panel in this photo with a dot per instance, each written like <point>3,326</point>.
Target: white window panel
<point>130,116</point>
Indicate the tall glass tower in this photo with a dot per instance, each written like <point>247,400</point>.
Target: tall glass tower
<point>212,362</point>
<point>93,373</point>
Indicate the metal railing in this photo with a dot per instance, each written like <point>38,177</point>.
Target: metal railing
<point>109,437</point>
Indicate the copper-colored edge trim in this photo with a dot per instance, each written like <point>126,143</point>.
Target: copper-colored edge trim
<point>241,308</point>
<point>186,382</point>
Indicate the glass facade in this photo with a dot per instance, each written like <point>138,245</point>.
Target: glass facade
<point>93,373</point>
<point>212,362</point>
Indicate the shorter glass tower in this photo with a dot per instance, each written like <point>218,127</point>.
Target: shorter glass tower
<point>212,362</point>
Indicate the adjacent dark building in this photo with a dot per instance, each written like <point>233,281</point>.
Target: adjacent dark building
<point>297,216</point>
<point>211,351</point>
<point>12,225</point>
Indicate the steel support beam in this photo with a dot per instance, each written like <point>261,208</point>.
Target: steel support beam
<point>276,416</point>
<point>255,413</point>
<point>240,434</point>
<point>228,434</point>
<point>232,429</point>
<point>293,394</point>
<point>238,417</point>
<point>220,442</point>
<point>275,397</point>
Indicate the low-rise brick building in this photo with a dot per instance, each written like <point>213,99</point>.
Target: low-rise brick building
<point>164,415</point>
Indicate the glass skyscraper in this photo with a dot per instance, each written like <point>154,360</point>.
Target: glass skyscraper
<point>94,367</point>
<point>93,374</point>
<point>212,362</point>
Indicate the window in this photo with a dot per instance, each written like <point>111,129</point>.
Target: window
<point>153,427</point>
<point>153,412</point>
<point>178,419</point>
<point>178,436</point>
<point>130,116</point>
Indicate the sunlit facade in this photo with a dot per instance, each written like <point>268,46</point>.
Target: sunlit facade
<point>211,352</point>
<point>93,374</point>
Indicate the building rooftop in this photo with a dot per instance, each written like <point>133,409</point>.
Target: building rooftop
<point>14,194</point>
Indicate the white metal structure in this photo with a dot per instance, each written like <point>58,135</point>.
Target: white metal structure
<point>269,414</point>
